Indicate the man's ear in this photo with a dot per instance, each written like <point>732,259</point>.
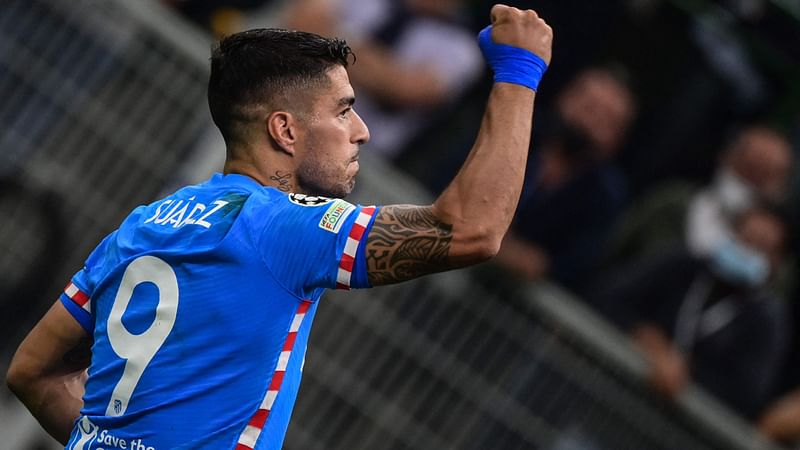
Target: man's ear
<point>282,127</point>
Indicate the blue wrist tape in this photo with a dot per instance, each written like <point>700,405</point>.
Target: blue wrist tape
<point>511,64</point>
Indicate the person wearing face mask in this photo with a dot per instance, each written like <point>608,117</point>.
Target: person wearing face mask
<point>754,167</point>
<point>711,320</point>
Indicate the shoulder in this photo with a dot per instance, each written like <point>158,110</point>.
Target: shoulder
<point>300,211</point>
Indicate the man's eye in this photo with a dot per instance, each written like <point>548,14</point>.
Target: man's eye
<point>345,112</point>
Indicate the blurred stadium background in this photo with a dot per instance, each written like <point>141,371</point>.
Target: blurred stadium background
<point>103,108</point>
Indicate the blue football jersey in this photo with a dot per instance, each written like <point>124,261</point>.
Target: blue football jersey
<point>200,307</point>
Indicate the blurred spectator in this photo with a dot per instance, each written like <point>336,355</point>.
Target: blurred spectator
<point>781,420</point>
<point>413,57</point>
<point>221,17</point>
<point>729,63</point>
<point>755,166</point>
<point>574,192</point>
<point>710,319</point>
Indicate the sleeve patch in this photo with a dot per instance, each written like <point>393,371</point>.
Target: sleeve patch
<point>309,200</point>
<point>335,216</point>
<point>79,297</point>
<point>346,264</point>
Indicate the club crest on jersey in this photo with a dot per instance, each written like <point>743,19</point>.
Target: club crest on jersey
<point>309,200</point>
<point>334,217</point>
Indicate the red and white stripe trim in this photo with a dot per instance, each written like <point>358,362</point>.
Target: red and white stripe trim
<point>79,297</point>
<point>249,437</point>
<point>351,247</point>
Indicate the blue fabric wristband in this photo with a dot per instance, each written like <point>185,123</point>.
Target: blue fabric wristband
<point>511,64</point>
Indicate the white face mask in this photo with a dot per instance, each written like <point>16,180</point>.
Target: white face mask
<point>734,193</point>
<point>739,264</point>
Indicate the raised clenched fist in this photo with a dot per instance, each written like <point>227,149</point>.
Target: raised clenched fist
<point>522,29</point>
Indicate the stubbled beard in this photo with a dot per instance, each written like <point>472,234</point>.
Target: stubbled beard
<point>315,179</point>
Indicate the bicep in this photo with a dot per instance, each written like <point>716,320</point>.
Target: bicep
<point>407,242</point>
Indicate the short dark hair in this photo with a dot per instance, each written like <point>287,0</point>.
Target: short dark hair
<point>256,67</point>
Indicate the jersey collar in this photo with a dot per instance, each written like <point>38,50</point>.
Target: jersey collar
<point>235,179</point>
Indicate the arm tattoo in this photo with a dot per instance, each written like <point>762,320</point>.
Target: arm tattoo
<point>283,180</point>
<point>406,242</point>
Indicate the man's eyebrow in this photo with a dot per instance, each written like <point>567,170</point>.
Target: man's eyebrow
<point>347,101</point>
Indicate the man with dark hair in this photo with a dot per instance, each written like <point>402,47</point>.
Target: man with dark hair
<point>712,320</point>
<point>198,308</point>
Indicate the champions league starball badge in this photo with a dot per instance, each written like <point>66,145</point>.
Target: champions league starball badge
<point>308,200</point>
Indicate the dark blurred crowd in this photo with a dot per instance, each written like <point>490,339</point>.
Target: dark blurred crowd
<point>660,183</point>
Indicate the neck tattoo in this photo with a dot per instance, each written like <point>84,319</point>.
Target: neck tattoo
<point>283,181</point>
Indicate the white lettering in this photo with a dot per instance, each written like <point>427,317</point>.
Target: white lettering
<point>175,206</point>
<point>136,444</point>
<point>190,218</point>
<point>174,213</point>
<point>177,217</point>
<point>90,432</point>
<point>202,220</point>
<point>158,211</point>
<point>109,439</point>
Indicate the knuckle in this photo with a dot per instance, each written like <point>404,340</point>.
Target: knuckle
<point>500,9</point>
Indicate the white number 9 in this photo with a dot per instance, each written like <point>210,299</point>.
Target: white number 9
<point>139,349</point>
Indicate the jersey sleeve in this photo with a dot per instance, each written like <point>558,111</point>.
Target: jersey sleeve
<point>313,242</point>
<point>77,295</point>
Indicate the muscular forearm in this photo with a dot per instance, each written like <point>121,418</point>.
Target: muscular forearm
<point>481,200</point>
<point>466,224</point>
<point>48,371</point>
<point>54,401</point>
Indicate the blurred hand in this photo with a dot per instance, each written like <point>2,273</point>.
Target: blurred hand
<point>525,259</point>
<point>781,421</point>
<point>522,29</point>
<point>669,371</point>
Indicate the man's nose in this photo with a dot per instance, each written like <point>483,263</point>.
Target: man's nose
<point>361,134</point>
